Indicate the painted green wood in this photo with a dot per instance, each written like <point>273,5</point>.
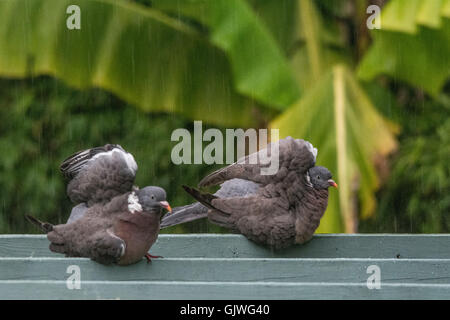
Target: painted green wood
<point>218,290</point>
<point>420,271</point>
<point>236,246</point>
<point>210,266</point>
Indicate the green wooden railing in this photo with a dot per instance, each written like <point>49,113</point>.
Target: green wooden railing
<point>209,266</point>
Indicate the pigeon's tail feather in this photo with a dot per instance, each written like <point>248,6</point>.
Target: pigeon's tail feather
<point>215,215</point>
<point>220,218</point>
<point>203,198</point>
<point>184,214</point>
<point>214,178</point>
<point>44,226</point>
<point>58,248</point>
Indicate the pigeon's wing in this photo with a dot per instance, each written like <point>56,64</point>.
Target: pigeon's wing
<point>275,231</point>
<point>282,156</point>
<point>237,188</point>
<point>263,220</point>
<point>195,211</point>
<point>97,175</point>
<point>76,240</point>
<point>106,247</point>
<point>75,163</point>
<point>184,214</point>
<point>77,212</point>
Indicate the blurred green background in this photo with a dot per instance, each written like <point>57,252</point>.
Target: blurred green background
<point>375,102</point>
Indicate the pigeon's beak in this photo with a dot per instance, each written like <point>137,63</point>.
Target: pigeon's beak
<point>332,183</point>
<point>165,205</point>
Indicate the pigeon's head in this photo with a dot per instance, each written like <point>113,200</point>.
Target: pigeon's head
<point>149,200</point>
<point>320,178</point>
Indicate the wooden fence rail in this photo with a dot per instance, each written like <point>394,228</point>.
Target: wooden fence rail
<point>211,266</point>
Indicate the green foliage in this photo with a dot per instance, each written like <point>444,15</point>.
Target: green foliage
<point>151,59</point>
<point>416,197</point>
<point>233,63</point>
<point>36,134</point>
<point>412,45</point>
<point>259,68</point>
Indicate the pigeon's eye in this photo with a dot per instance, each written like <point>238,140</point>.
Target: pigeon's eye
<point>318,177</point>
<point>153,197</point>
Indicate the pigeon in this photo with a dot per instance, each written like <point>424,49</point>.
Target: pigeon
<point>118,232</point>
<point>276,210</point>
<point>97,175</point>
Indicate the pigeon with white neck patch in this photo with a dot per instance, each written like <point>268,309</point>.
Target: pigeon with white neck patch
<point>97,175</point>
<point>120,231</point>
<point>277,210</point>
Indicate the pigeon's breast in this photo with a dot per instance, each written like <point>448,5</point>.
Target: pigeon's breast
<point>139,236</point>
<point>309,212</point>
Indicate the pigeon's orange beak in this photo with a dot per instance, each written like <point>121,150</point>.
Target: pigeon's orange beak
<point>165,205</point>
<point>332,183</point>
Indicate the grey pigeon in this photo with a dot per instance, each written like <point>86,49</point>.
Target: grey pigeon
<point>97,175</point>
<point>121,231</point>
<point>276,210</point>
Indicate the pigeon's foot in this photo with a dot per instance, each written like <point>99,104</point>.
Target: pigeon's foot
<point>149,257</point>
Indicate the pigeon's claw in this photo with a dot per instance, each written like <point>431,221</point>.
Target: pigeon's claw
<point>149,257</point>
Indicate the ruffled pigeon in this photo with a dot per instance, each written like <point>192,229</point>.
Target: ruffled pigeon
<point>97,175</point>
<point>277,210</point>
<point>120,231</point>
